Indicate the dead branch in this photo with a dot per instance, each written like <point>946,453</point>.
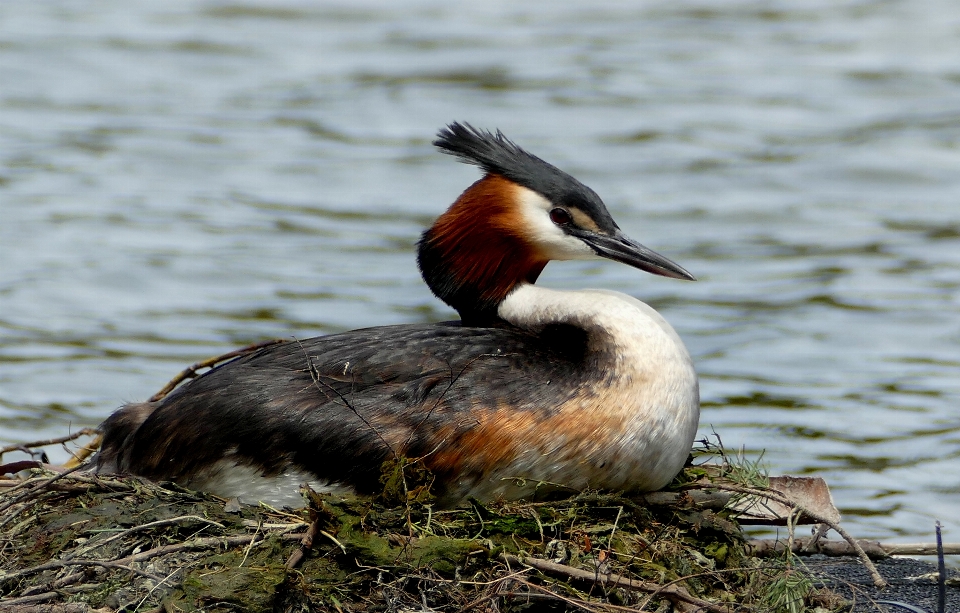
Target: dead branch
<point>50,441</point>
<point>874,549</point>
<point>306,543</point>
<point>539,592</point>
<point>14,467</point>
<point>878,580</point>
<point>674,594</point>
<point>700,498</point>
<point>121,564</point>
<point>25,604</point>
<point>153,524</point>
<point>24,495</point>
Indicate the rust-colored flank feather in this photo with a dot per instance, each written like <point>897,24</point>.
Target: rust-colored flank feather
<point>583,389</point>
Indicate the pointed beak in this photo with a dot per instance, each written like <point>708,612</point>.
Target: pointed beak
<point>624,249</point>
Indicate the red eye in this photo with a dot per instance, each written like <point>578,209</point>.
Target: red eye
<point>560,217</point>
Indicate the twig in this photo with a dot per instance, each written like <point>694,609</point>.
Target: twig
<point>80,456</point>
<point>55,585</point>
<point>547,594</point>
<point>612,531</point>
<point>28,493</point>
<point>14,467</point>
<point>155,586</point>
<point>203,543</point>
<point>671,593</point>
<point>878,580</point>
<point>691,497</point>
<point>249,523</point>
<point>153,524</point>
<point>209,542</point>
<point>305,544</point>
<point>315,377</point>
<point>50,441</point>
<point>874,549</point>
<point>335,541</point>
<point>23,604</point>
<point>249,548</point>
<point>122,564</point>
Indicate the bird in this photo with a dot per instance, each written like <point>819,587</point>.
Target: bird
<point>583,389</point>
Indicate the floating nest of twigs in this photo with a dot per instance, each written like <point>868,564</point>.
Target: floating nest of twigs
<point>87,543</point>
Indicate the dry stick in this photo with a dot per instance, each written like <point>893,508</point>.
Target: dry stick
<point>249,548</point>
<point>15,484</point>
<point>876,549</point>
<point>156,585</point>
<point>204,543</point>
<point>22,605</point>
<point>305,544</point>
<point>702,499</point>
<point>14,467</point>
<point>528,596</point>
<point>494,586</point>
<point>878,581</point>
<point>28,493</point>
<point>50,441</point>
<point>55,585</point>
<point>191,371</point>
<point>546,594</point>
<point>673,594</point>
<point>709,573</point>
<point>75,485</point>
<point>315,377</point>
<point>25,600</point>
<point>334,539</point>
<point>153,524</point>
<point>818,534</point>
<point>121,564</point>
<point>93,480</point>
<point>80,455</point>
<point>208,542</point>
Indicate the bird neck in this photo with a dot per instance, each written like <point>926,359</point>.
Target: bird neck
<point>474,255</point>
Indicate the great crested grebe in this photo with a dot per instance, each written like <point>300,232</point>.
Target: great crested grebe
<point>587,389</point>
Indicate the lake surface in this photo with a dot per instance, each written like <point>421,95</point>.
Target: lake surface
<point>178,179</point>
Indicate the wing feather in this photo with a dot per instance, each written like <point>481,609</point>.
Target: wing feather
<point>340,405</point>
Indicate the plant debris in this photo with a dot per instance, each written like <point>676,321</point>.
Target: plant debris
<point>111,543</point>
<point>75,542</point>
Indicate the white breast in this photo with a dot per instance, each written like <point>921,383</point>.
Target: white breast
<point>650,390</point>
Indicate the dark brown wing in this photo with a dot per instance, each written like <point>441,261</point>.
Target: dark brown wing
<point>339,405</point>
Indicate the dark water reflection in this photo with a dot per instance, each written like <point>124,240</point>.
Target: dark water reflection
<point>182,178</point>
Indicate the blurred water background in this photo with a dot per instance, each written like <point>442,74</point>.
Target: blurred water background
<point>181,178</point>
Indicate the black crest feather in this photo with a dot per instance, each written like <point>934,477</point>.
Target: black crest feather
<point>494,153</point>
<point>497,154</point>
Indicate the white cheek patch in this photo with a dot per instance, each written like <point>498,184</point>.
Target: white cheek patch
<point>551,240</point>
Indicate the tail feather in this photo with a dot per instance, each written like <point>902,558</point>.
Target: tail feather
<point>116,431</point>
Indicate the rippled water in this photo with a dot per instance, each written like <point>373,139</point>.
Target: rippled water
<point>180,178</point>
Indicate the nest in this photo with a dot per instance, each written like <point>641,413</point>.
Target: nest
<point>84,542</point>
